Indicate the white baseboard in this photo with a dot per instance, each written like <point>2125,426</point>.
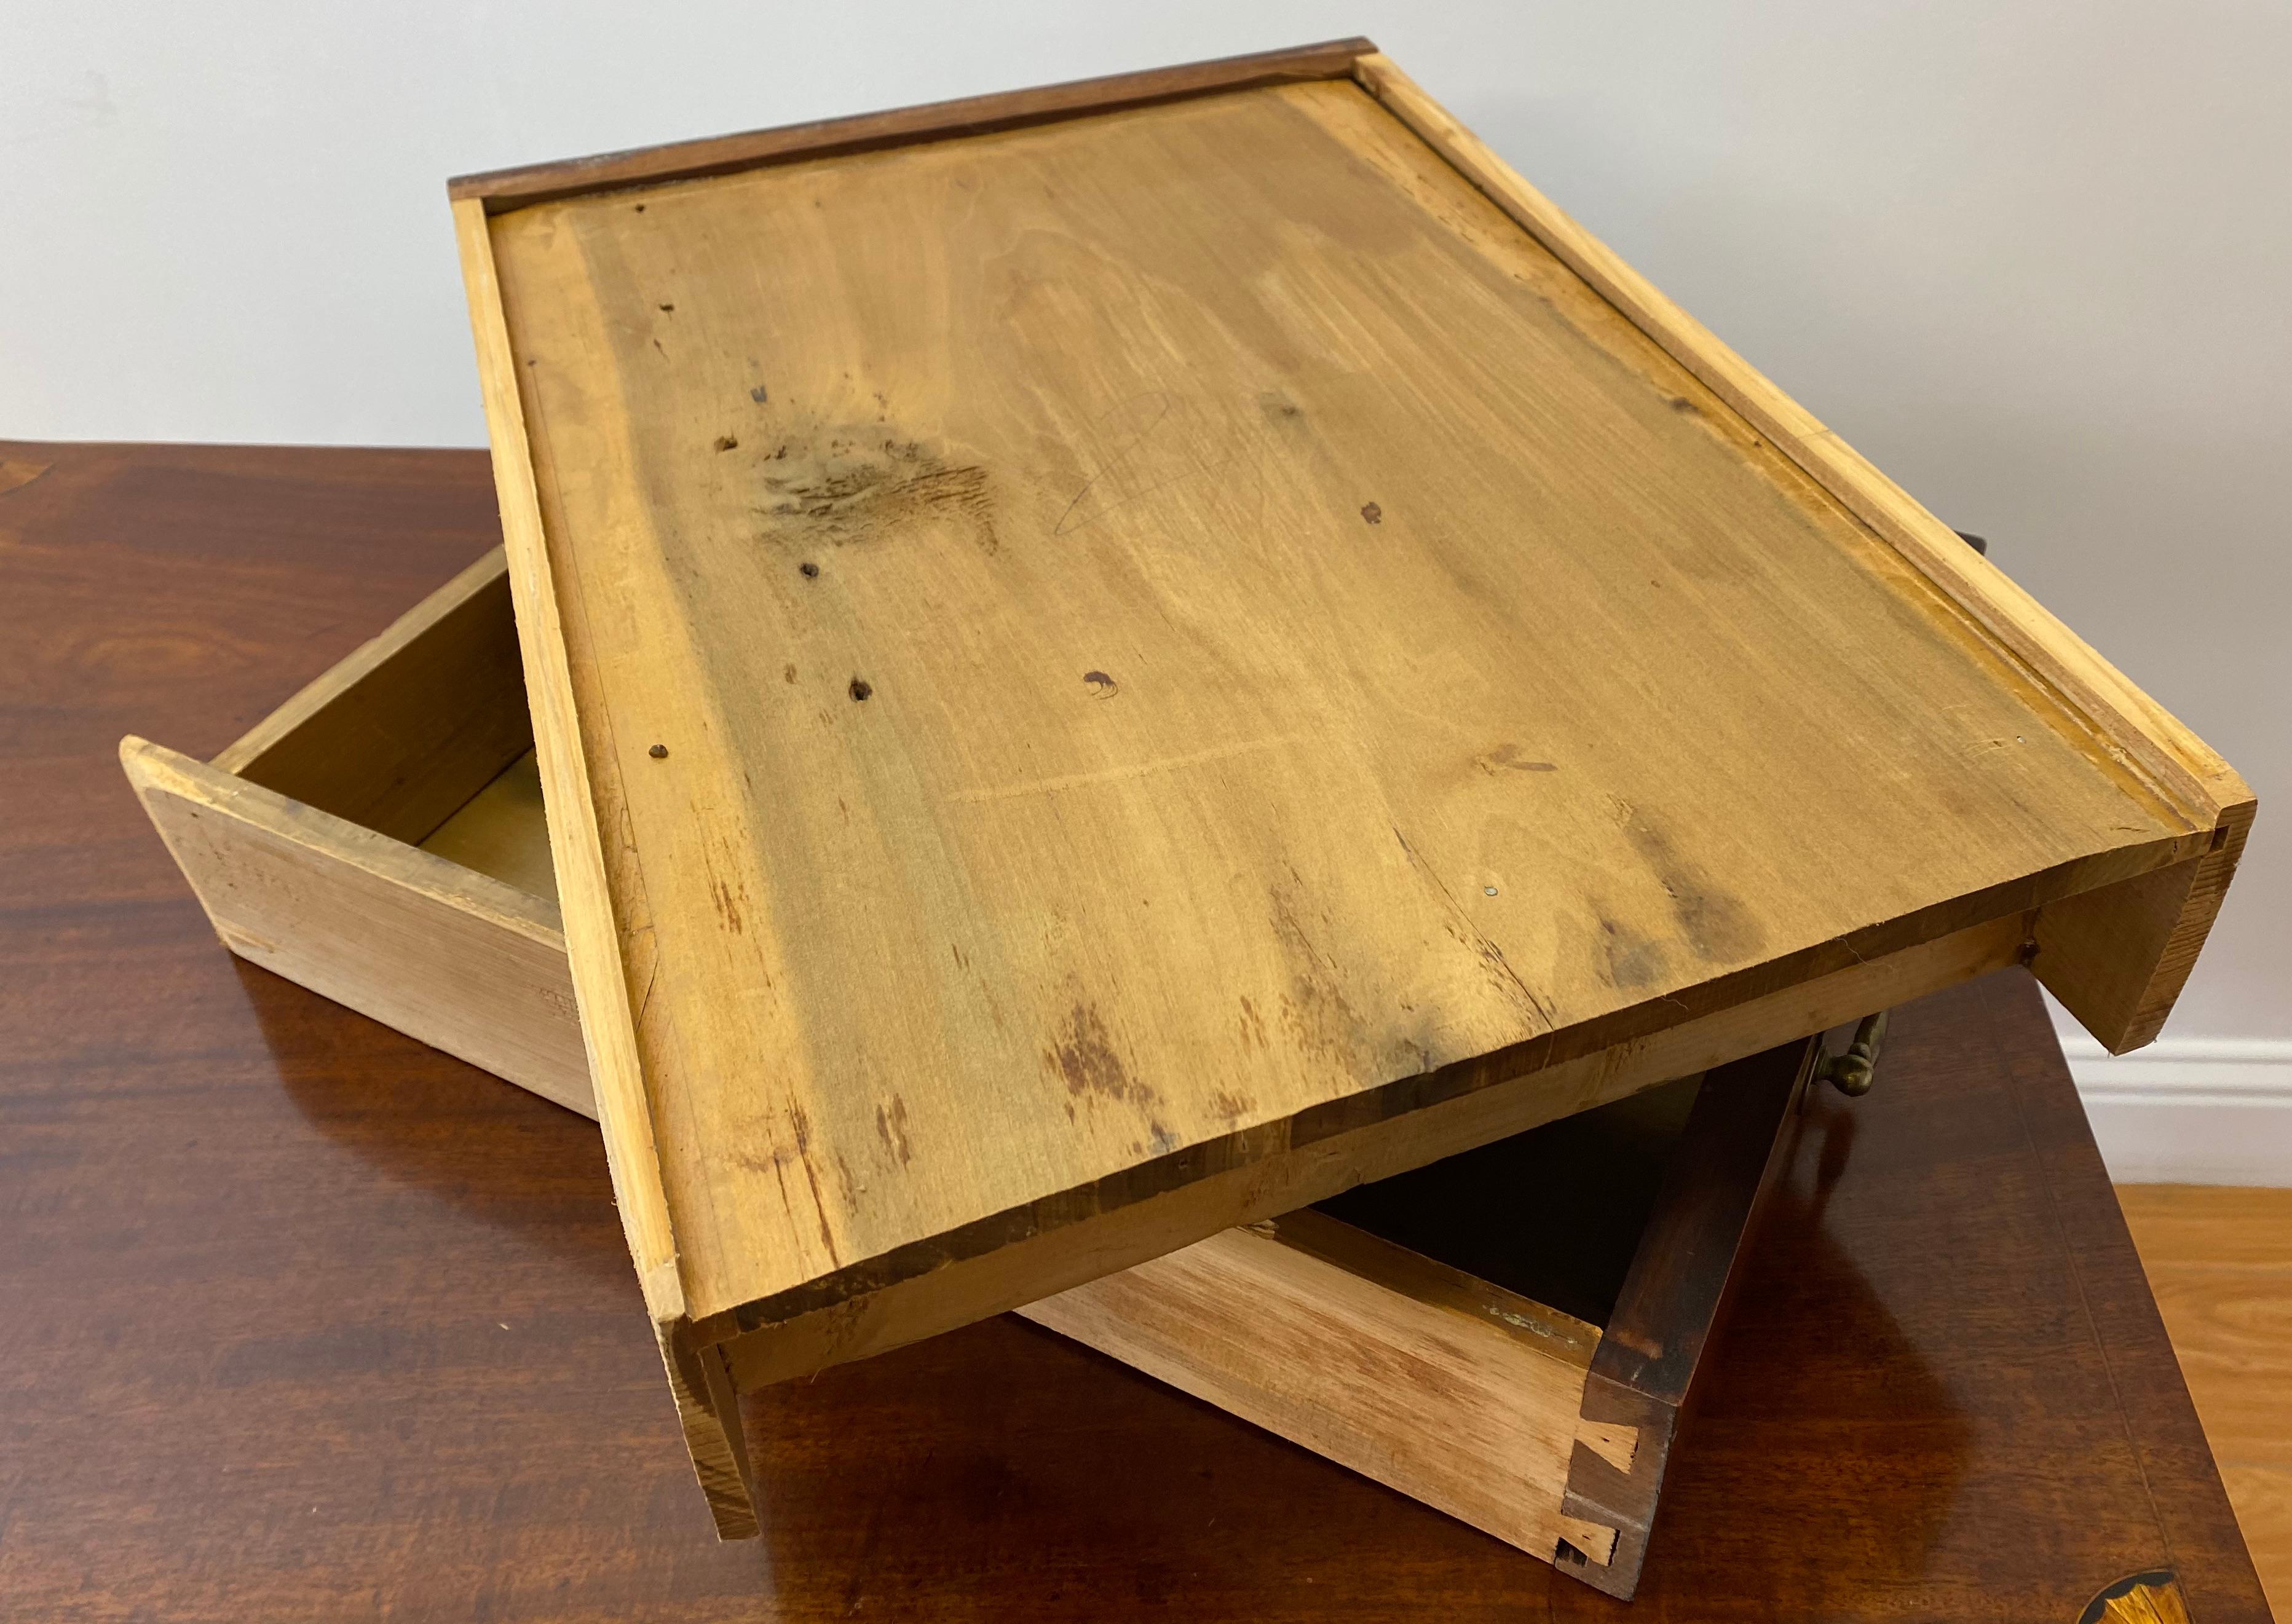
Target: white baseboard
<point>2190,1110</point>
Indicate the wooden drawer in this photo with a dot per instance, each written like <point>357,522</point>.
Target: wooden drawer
<point>1508,1335</point>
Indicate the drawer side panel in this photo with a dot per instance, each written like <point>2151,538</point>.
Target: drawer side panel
<point>445,955</point>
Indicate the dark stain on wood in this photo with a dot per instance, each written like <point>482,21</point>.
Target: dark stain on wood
<point>859,485</point>
<point>1717,925</point>
<point>1509,758</point>
<point>1634,962</point>
<point>891,1127</point>
<point>1083,1056</point>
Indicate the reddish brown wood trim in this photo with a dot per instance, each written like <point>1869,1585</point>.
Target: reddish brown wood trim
<point>1644,1368</point>
<point>509,188</point>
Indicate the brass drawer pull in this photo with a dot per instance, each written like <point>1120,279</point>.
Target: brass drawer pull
<point>1851,1073</point>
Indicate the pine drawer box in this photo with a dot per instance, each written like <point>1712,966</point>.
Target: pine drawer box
<point>381,839</point>
<point>1113,662</point>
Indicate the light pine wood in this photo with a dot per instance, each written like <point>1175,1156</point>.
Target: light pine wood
<point>455,957</point>
<point>1150,589</point>
<point>1442,1386</point>
<point>501,831</point>
<point>2117,960</point>
<point>711,1422</point>
<point>457,943</point>
<point>2220,1261</point>
<point>405,729</point>
<point>1255,552</point>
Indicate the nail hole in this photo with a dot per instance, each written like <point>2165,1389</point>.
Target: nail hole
<point>859,687</point>
<point>657,753</point>
<point>808,570</point>
<point>1373,513</point>
<point>726,442</point>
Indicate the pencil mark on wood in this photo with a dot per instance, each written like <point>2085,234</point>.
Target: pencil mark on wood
<point>1509,758</point>
<point>1147,443</point>
<point>800,1125</point>
<point>1118,775</point>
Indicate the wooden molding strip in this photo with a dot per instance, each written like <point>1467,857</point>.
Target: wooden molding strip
<point>503,189</point>
<point>711,1422</point>
<point>2175,764</point>
<point>576,846</point>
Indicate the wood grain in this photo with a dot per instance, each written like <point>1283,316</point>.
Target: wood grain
<point>1416,1376</point>
<point>262,1250</point>
<point>2119,960</point>
<point>2220,1261</point>
<point>1645,1373</point>
<point>501,831</point>
<point>508,189</point>
<point>1175,547</point>
<point>1452,1388</point>
<point>406,730</point>
<point>713,1433</point>
<point>348,913</point>
<point>452,957</point>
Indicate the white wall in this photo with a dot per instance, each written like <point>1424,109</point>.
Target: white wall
<point>2035,260</point>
